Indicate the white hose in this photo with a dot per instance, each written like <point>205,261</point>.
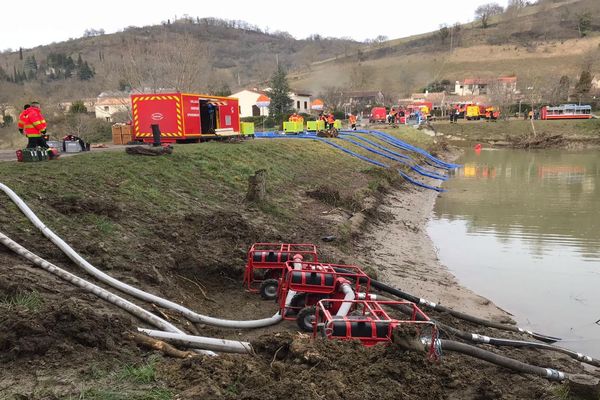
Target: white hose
<point>349,296</point>
<point>90,287</point>
<point>131,290</point>
<point>201,342</point>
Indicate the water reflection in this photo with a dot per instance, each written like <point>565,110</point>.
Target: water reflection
<point>523,228</point>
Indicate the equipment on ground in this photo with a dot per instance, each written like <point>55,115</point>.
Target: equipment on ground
<point>369,322</point>
<point>184,117</point>
<point>304,284</point>
<point>267,262</point>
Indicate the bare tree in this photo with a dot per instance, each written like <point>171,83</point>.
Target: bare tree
<point>443,33</point>
<point>484,12</point>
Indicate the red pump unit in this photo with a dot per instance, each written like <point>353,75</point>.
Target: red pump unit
<point>311,282</point>
<point>267,262</point>
<point>369,322</point>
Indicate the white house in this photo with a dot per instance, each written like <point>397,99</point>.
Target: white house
<point>247,103</point>
<point>248,98</point>
<point>108,105</point>
<point>301,102</point>
<point>478,86</point>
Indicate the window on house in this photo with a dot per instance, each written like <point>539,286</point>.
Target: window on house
<point>298,104</point>
<point>306,105</point>
<point>105,108</point>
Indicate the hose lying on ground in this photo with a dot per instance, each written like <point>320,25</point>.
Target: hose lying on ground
<point>480,321</point>
<point>125,288</point>
<point>438,307</point>
<point>120,302</point>
<point>476,338</point>
<point>201,342</point>
<point>482,339</point>
<point>506,362</point>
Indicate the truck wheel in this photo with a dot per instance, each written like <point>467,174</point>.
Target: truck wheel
<point>268,289</point>
<point>306,318</point>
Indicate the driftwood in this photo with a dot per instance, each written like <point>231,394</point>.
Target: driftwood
<point>159,345</point>
<point>257,186</point>
<point>149,151</point>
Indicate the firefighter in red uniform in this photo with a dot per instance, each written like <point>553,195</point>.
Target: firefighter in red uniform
<point>34,125</point>
<point>21,123</point>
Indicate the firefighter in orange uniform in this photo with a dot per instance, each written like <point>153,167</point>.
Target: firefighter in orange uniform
<point>34,125</point>
<point>352,120</point>
<point>330,121</point>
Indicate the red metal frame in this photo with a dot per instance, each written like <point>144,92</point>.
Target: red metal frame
<point>271,258</point>
<point>318,281</point>
<point>370,323</point>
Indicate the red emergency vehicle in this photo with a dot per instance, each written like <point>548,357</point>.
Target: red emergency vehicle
<point>184,117</point>
<point>567,111</point>
<point>378,114</point>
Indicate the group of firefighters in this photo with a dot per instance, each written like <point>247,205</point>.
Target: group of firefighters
<point>327,118</point>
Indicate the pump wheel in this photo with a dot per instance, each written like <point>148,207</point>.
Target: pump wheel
<point>306,318</point>
<point>268,289</point>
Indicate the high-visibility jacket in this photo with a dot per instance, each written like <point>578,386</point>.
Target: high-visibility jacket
<point>352,119</point>
<point>21,123</point>
<point>330,119</point>
<point>33,122</point>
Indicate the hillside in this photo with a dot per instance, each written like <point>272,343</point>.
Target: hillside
<point>190,54</point>
<point>539,42</point>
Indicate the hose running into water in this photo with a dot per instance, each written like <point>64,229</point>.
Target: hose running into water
<point>498,342</point>
<point>506,362</point>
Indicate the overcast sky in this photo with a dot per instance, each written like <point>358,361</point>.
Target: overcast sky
<point>35,23</point>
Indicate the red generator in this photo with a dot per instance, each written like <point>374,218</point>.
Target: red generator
<point>304,284</point>
<point>267,262</point>
<point>369,322</point>
<point>184,117</point>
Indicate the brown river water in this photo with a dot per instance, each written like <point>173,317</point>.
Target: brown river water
<point>522,228</point>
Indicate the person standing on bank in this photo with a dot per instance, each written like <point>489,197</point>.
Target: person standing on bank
<point>34,125</point>
<point>21,124</point>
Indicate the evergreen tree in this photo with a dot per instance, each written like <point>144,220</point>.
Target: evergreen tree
<point>84,72</point>
<point>281,103</point>
<point>77,107</point>
<point>584,85</point>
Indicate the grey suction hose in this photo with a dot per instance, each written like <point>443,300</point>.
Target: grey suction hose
<point>104,294</point>
<point>201,342</point>
<point>477,338</point>
<point>515,365</point>
<point>125,288</point>
<point>438,307</point>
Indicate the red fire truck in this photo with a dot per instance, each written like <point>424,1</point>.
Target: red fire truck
<point>184,117</point>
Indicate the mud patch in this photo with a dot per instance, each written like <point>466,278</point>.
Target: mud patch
<point>63,328</point>
<point>73,204</point>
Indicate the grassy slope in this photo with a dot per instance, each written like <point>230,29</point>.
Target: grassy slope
<point>122,212</point>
